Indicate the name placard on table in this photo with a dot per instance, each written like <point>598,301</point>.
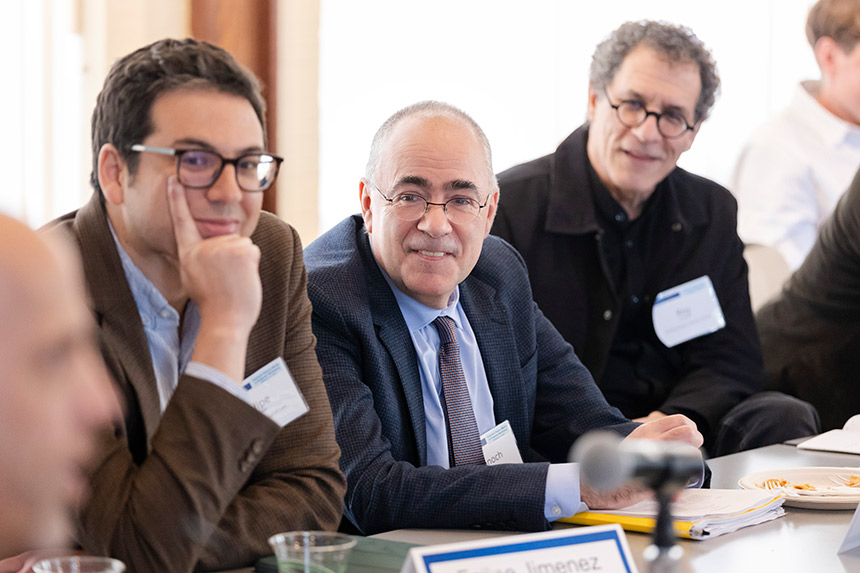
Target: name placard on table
<point>581,550</point>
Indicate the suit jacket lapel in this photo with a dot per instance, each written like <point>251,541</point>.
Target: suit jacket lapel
<point>495,337</point>
<point>116,312</point>
<point>392,331</point>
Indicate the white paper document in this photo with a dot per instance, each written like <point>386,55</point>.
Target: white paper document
<point>846,440</point>
<point>697,513</point>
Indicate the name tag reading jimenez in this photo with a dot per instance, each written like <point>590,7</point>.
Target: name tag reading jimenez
<point>601,549</point>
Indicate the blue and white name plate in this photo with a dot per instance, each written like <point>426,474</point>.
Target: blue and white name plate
<point>274,392</point>
<point>601,549</point>
<point>687,311</point>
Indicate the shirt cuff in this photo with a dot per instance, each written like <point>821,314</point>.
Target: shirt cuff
<point>226,383</point>
<point>562,492</point>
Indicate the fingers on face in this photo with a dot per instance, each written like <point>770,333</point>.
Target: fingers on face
<point>183,224</point>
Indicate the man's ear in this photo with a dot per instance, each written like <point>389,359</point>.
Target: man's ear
<point>110,174</point>
<point>364,199</point>
<point>492,207</point>
<point>592,102</point>
<point>825,52</point>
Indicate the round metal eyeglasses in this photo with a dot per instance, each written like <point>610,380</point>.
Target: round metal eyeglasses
<point>632,113</point>
<point>412,206</point>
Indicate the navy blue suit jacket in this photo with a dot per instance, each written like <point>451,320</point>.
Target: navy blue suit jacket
<point>370,370</point>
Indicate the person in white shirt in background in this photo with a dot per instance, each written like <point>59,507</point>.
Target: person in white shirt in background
<point>795,167</point>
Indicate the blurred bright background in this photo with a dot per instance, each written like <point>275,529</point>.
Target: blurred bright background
<point>338,68</point>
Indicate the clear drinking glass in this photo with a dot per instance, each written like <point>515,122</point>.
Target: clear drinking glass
<point>79,564</point>
<point>311,551</point>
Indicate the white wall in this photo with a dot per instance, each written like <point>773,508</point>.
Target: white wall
<point>520,69</point>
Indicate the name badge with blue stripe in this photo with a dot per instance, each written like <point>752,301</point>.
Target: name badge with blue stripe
<point>687,311</point>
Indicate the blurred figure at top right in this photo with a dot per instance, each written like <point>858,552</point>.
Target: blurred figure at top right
<point>794,168</point>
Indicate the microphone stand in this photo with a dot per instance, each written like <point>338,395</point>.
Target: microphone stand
<point>664,554</point>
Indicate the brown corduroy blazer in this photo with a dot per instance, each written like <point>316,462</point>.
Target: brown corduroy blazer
<point>208,481</point>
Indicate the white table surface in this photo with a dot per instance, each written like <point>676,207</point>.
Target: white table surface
<point>802,541</point>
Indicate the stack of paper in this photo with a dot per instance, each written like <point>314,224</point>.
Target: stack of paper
<point>846,440</point>
<point>697,513</point>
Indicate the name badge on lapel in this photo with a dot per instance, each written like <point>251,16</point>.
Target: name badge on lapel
<point>687,311</point>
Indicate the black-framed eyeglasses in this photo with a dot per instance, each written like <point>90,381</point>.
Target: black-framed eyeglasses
<point>201,168</point>
<point>412,206</point>
<point>632,113</point>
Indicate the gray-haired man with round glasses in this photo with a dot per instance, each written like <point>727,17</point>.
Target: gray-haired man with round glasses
<point>638,262</point>
<point>204,324</point>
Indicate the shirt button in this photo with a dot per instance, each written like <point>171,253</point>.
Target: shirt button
<point>607,315</point>
<point>620,217</point>
<point>164,313</point>
<point>634,299</point>
<point>556,510</point>
<point>676,227</point>
<point>628,243</point>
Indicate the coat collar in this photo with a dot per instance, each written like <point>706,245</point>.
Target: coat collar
<point>571,210</point>
<point>115,310</point>
<point>394,334</point>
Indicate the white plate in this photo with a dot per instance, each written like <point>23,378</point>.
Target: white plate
<point>820,478</point>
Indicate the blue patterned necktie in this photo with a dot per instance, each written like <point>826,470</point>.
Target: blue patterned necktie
<point>465,440</point>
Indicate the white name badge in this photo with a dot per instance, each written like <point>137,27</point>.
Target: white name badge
<point>500,446</point>
<point>587,549</point>
<point>687,311</point>
<point>274,392</point>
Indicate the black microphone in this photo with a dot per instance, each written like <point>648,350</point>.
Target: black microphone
<point>608,462</point>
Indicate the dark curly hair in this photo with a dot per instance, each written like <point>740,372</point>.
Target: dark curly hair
<point>123,116</point>
<point>677,43</point>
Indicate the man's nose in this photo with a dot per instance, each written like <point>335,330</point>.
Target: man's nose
<point>647,130</point>
<point>435,221</point>
<point>226,188</point>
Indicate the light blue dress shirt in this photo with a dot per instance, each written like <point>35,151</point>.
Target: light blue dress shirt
<point>171,353</point>
<point>562,487</point>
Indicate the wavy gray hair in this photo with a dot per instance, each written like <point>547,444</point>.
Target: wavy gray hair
<point>676,43</point>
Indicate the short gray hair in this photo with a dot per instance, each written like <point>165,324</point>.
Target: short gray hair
<point>428,109</point>
<point>676,43</point>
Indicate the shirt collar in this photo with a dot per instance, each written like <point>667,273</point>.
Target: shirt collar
<point>151,304</point>
<point>834,130</point>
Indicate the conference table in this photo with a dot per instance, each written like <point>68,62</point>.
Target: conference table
<point>803,540</point>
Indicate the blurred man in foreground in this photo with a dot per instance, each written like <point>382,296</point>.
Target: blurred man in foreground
<point>54,391</point>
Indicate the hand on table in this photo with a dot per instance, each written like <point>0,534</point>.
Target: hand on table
<point>655,415</point>
<point>676,428</point>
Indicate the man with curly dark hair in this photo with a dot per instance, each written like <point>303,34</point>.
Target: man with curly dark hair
<point>637,262</point>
